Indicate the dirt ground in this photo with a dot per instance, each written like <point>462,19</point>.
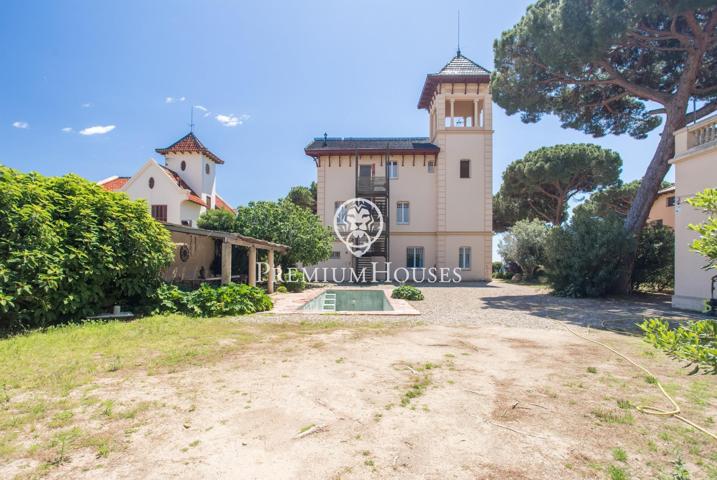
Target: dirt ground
<point>512,399</point>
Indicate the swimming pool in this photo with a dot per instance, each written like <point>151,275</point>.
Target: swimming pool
<point>349,301</point>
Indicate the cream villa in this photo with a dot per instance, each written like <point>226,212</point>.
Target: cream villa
<point>695,164</point>
<point>434,192</point>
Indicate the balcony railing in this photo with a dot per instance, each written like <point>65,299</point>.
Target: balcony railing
<point>696,135</point>
<point>371,186</point>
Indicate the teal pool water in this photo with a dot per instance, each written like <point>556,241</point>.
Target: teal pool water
<point>349,301</point>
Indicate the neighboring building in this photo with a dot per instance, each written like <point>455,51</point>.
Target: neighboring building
<point>181,189</point>
<point>663,210</point>
<point>435,191</point>
<point>177,193</point>
<point>695,164</point>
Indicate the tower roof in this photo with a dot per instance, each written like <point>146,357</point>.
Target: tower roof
<point>189,144</point>
<point>459,70</point>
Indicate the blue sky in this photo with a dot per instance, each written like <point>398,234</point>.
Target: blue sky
<point>272,75</point>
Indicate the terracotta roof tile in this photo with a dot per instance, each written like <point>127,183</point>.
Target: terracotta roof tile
<point>193,197</point>
<point>221,204</point>
<point>189,144</point>
<point>113,184</point>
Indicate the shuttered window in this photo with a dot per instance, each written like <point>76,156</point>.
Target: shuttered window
<point>159,212</point>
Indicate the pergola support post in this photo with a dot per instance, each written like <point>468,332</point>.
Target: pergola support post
<point>252,266</point>
<point>270,279</point>
<point>226,263</point>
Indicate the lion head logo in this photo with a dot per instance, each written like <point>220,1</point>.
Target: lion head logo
<point>358,223</point>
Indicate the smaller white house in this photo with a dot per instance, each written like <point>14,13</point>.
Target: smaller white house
<point>179,191</point>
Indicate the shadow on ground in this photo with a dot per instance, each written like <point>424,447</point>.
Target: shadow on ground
<point>620,314</point>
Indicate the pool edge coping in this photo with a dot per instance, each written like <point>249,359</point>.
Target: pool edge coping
<point>294,304</point>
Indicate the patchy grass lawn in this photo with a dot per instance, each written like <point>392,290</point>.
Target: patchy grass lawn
<point>50,405</point>
<point>487,388</point>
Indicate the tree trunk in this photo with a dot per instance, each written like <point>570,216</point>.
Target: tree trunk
<point>650,185</point>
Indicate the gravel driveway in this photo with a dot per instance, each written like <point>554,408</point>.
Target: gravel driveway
<point>507,304</point>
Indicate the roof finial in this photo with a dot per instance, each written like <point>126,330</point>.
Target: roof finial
<point>325,137</point>
<point>191,119</point>
<point>458,53</point>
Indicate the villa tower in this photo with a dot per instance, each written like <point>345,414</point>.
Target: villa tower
<point>436,191</point>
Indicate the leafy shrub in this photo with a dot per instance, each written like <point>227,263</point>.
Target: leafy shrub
<point>407,292</point>
<point>69,248</point>
<point>217,219</point>
<point>706,244</point>
<point>294,280</point>
<point>695,341</point>
<point>281,289</point>
<point>583,257</point>
<point>524,245</point>
<point>170,299</point>
<point>655,260</point>
<point>208,301</point>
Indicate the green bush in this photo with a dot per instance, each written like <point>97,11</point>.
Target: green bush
<point>695,341</point>
<point>706,244</point>
<point>583,257</point>
<point>655,260</point>
<point>217,219</point>
<point>407,292</point>
<point>524,245</point>
<point>69,249</point>
<point>208,301</point>
<point>281,289</point>
<point>294,280</point>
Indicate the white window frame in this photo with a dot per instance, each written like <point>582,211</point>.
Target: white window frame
<point>403,213</point>
<point>392,170</point>
<point>463,254</point>
<point>415,251</point>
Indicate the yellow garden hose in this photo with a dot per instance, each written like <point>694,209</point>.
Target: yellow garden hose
<point>650,410</point>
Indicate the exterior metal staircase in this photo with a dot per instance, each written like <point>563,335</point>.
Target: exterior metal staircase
<point>377,190</point>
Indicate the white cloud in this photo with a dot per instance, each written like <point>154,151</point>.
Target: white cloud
<point>203,109</point>
<point>20,124</point>
<point>86,105</point>
<point>232,120</point>
<point>67,130</point>
<point>174,99</point>
<point>97,130</point>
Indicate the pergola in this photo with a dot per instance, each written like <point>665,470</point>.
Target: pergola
<point>251,244</point>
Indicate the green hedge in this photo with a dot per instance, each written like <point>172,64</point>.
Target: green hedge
<point>70,249</point>
<point>407,292</point>
<point>208,301</point>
